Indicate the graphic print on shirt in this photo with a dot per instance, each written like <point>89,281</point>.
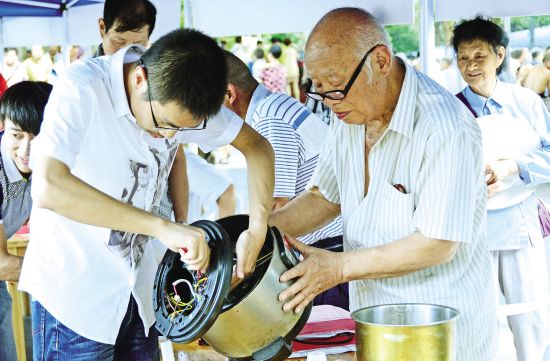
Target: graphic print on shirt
<point>130,245</point>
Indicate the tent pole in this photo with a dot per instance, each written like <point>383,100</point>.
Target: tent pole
<point>65,46</point>
<point>187,14</point>
<point>427,35</point>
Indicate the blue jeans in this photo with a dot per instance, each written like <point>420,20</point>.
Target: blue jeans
<point>7,341</point>
<point>54,341</point>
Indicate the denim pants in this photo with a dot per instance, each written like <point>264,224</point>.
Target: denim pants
<point>54,341</point>
<point>7,341</point>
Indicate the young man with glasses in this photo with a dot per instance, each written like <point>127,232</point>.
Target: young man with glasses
<point>127,22</point>
<point>403,165</point>
<point>100,164</point>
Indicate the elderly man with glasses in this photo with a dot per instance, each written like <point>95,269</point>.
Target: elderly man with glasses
<point>403,165</point>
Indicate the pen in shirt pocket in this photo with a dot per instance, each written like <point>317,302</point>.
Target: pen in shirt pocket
<point>400,188</point>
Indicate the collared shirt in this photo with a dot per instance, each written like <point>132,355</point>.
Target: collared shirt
<point>517,226</point>
<point>16,193</point>
<point>432,149</point>
<point>82,274</point>
<point>296,135</point>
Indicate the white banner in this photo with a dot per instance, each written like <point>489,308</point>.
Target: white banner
<point>246,17</point>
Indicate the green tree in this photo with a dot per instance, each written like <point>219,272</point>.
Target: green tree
<point>404,38</point>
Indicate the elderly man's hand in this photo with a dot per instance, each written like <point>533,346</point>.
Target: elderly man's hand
<point>319,271</point>
<point>248,247</point>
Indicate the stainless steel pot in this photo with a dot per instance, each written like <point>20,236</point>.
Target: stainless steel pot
<point>248,323</point>
<point>405,332</point>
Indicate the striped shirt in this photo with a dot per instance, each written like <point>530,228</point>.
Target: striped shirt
<point>296,135</point>
<point>432,147</point>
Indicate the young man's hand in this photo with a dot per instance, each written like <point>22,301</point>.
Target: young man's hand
<point>10,267</point>
<point>248,248</point>
<point>189,241</point>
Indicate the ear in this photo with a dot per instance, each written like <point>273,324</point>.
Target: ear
<point>231,94</point>
<point>501,54</point>
<point>382,58</point>
<point>139,78</point>
<point>101,24</point>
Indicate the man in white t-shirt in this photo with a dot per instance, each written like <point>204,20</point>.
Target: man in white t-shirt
<point>100,164</point>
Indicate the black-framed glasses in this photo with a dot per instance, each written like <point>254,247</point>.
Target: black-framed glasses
<point>201,126</point>
<point>338,94</point>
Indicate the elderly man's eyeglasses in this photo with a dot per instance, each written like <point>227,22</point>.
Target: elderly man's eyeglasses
<point>201,126</point>
<point>338,94</point>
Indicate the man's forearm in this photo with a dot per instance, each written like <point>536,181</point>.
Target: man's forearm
<point>56,189</point>
<point>178,186</point>
<point>403,256</point>
<point>260,164</point>
<point>304,214</point>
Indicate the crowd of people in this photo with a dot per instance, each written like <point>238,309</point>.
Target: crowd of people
<point>393,188</point>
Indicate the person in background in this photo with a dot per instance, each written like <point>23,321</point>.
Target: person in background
<point>12,68</point>
<point>292,70</point>
<point>239,50</point>
<point>513,228</point>
<point>21,111</point>
<point>403,166</point>
<point>259,64</point>
<point>120,115</point>
<point>538,79</point>
<point>39,65</point>
<point>273,74</point>
<point>536,55</point>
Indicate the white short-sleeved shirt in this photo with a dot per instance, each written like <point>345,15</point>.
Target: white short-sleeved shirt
<point>432,148</point>
<point>82,274</point>
<point>296,135</point>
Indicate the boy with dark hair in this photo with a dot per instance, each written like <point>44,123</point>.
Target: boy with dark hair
<point>125,22</point>
<point>21,112</point>
<point>100,165</point>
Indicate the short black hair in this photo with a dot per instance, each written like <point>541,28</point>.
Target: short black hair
<point>238,73</point>
<point>482,29</point>
<point>188,67</point>
<point>129,15</point>
<point>23,104</point>
<point>276,51</point>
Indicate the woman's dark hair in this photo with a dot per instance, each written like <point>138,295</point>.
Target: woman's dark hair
<point>129,15</point>
<point>23,104</point>
<point>483,29</point>
<point>189,68</point>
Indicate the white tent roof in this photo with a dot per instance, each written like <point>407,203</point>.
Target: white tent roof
<point>241,17</point>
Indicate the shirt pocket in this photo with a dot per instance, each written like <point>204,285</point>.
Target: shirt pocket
<point>393,212</point>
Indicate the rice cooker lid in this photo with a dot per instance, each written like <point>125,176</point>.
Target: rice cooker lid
<point>187,303</point>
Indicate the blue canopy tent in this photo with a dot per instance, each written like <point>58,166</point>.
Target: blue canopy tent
<point>40,7</point>
<point>67,22</point>
<point>46,22</point>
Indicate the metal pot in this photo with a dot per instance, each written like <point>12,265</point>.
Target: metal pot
<point>405,332</point>
<point>247,322</point>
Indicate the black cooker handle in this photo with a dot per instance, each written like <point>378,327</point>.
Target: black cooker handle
<point>286,253</point>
